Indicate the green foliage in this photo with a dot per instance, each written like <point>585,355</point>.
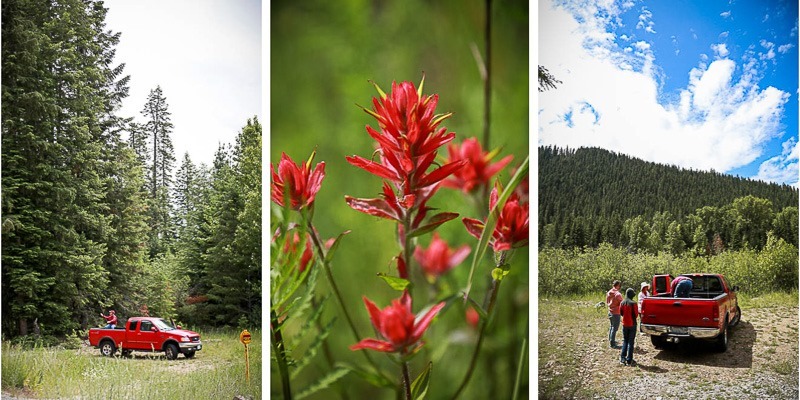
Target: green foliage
<point>567,271</point>
<point>589,196</point>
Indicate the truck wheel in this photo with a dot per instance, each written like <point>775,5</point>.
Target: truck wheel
<point>737,318</point>
<point>722,339</point>
<point>658,341</point>
<point>171,351</point>
<point>189,354</point>
<point>107,348</point>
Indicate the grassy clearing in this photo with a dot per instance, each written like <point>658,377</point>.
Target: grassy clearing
<point>217,371</point>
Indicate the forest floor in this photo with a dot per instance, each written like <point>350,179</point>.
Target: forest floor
<point>575,360</point>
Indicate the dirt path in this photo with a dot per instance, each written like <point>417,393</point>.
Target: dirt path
<point>761,361</point>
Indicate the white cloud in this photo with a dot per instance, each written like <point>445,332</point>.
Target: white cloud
<point>766,18</point>
<point>782,168</point>
<point>721,49</point>
<point>724,35</point>
<point>784,48</point>
<point>720,121</point>
<point>725,14</point>
<point>645,21</point>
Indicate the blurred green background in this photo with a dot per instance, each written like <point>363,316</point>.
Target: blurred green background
<point>323,53</point>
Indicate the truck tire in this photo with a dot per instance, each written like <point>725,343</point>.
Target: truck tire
<point>107,348</point>
<point>189,354</point>
<point>736,318</point>
<point>658,341</point>
<point>722,338</point>
<point>171,351</point>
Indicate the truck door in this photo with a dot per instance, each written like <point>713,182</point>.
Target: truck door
<point>661,284</point>
<point>144,337</point>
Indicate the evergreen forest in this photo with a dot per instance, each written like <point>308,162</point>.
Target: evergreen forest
<point>98,212</point>
<point>590,196</point>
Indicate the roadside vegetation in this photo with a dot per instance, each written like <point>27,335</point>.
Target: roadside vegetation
<point>218,371</point>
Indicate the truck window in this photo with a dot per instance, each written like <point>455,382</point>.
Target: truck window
<point>146,326</point>
<point>132,326</point>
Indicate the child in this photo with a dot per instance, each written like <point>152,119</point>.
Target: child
<point>629,311</point>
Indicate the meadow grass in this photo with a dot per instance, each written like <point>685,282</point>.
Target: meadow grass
<point>217,371</point>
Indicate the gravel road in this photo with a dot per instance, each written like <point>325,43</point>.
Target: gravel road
<point>761,362</point>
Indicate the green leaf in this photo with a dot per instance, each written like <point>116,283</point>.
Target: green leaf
<point>491,221</point>
<point>324,382</point>
<point>419,388</point>
<point>394,282</point>
<point>478,308</point>
<point>334,246</point>
<point>312,350</point>
<point>369,376</point>
<point>432,223</point>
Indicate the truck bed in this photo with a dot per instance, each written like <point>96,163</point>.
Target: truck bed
<point>695,310</point>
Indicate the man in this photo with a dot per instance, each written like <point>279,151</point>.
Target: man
<point>613,300</point>
<point>681,286</point>
<point>111,319</point>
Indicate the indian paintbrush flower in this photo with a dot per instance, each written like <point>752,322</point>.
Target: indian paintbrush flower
<point>408,140</point>
<point>439,258</point>
<point>400,328</point>
<point>296,182</point>
<point>478,170</point>
<point>512,224</point>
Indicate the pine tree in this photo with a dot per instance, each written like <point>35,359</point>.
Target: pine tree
<point>58,93</point>
<point>158,130</point>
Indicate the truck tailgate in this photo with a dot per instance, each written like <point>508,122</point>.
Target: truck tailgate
<point>680,311</point>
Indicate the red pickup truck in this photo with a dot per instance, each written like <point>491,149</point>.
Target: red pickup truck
<point>708,313</point>
<point>146,334</point>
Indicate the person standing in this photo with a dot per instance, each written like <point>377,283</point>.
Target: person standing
<point>111,319</point>
<point>613,300</point>
<point>681,286</point>
<point>644,292</point>
<point>630,312</point>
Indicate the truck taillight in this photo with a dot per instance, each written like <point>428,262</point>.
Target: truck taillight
<point>715,312</point>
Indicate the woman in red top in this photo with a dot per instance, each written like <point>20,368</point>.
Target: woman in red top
<point>613,299</point>
<point>111,319</point>
<point>629,311</point>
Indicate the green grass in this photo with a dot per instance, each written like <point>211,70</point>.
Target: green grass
<point>217,371</point>
<point>768,300</point>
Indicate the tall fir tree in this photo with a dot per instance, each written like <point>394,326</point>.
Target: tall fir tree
<point>58,96</point>
<point>158,130</point>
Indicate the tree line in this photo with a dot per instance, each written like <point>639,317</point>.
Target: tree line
<point>590,196</point>
<point>94,215</point>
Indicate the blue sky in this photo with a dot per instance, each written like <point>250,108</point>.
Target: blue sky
<point>698,84</point>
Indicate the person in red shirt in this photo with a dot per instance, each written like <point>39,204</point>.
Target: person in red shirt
<point>629,311</point>
<point>111,319</point>
<point>681,286</point>
<point>613,300</point>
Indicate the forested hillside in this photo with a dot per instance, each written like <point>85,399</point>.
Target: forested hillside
<point>589,196</point>
<point>94,214</point>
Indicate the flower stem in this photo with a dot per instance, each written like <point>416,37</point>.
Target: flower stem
<point>488,303</point>
<point>279,348</point>
<point>522,353</point>
<point>406,380</point>
<point>327,350</point>
<point>325,266</point>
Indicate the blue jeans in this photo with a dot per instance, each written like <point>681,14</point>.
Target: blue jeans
<point>612,330</point>
<point>683,288</point>
<point>628,337</point>
<point>110,326</point>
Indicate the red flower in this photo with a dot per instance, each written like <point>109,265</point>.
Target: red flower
<point>408,140</point>
<point>439,258</point>
<point>473,318</point>
<point>512,224</point>
<point>397,325</point>
<point>298,182</point>
<point>477,170</point>
<point>291,244</point>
